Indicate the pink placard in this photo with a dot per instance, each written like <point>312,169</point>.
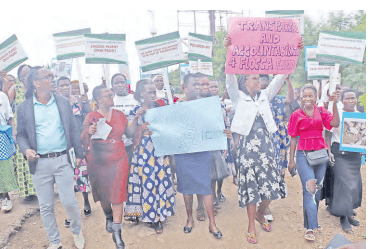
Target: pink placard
<point>262,45</point>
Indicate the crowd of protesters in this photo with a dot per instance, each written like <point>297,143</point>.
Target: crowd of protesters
<point>267,135</point>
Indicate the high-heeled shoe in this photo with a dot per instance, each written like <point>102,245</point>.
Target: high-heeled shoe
<point>116,236</point>
<point>217,235</point>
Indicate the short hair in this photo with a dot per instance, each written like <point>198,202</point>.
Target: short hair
<point>264,76</point>
<point>32,76</point>
<point>201,75</point>
<point>96,93</point>
<point>63,78</point>
<point>115,75</point>
<point>21,68</point>
<point>187,77</point>
<point>308,86</point>
<point>140,88</point>
<point>348,91</point>
<point>241,80</point>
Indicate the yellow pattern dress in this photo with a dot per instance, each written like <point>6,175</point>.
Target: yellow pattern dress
<point>21,167</point>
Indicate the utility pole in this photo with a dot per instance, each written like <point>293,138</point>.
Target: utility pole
<point>195,22</point>
<point>212,25</point>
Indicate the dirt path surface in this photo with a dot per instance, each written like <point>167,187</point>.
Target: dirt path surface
<point>287,228</point>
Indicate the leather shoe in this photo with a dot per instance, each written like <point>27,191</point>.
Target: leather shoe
<point>217,235</point>
<point>109,225</point>
<point>116,236</point>
<point>353,221</point>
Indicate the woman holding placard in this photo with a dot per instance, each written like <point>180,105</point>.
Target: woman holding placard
<point>151,194</point>
<point>307,123</point>
<point>107,161</point>
<point>346,169</point>
<point>259,179</point>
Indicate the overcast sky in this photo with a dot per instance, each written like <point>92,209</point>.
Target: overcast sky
<point>34,25</point>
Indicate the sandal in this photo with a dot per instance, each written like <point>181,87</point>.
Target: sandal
<point>266,226</point>
<point>200,214</point>
<point>309,236</point>
<point>221,197</point>
<point>133,219</point>
<point>251,238</point>
<point>159,228</point>
<point>216,205</point>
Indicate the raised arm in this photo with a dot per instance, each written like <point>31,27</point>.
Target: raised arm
<point>231,82</point>
<point>232,88</point>
<point>290,91</point>
<point>335,122</point>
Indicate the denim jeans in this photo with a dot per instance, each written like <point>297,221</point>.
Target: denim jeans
<point>316,174</point>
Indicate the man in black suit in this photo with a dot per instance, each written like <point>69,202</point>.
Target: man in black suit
<point>47,132</point>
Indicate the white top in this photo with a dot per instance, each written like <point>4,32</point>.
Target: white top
<point>246,109</point>
<point>125,104</point>
<point>5,109</point>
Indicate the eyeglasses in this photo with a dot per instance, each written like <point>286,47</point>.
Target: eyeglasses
<point>48,77</point>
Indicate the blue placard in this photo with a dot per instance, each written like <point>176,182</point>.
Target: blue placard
<point>305,56</point>
<point>187,127</point>
<point>353,135</point>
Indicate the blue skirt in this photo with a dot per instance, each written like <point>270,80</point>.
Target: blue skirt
<point>194,173</point>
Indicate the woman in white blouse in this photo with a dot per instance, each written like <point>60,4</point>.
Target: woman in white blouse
<point>259,180</point>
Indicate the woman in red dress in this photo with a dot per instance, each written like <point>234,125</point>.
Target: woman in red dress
<point>108,166</point>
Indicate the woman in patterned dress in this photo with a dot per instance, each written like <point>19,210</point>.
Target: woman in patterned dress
<point>151,194</point>
<point>259,181</point>
<point>24,178</point>
<point>80,110</point>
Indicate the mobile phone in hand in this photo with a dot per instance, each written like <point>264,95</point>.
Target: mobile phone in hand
<point>293,172</point>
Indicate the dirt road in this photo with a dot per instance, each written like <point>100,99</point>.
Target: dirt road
<point>288,231</point>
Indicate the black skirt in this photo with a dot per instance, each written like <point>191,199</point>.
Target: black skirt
<point>347,187</point>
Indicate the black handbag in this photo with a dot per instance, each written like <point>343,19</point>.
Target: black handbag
<point>317,157</point>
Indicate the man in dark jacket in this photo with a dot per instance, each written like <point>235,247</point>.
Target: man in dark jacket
<point>47,135</point>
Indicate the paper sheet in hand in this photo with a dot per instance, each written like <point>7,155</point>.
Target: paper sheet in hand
<point>103,129</point>
<point>187,127</point>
